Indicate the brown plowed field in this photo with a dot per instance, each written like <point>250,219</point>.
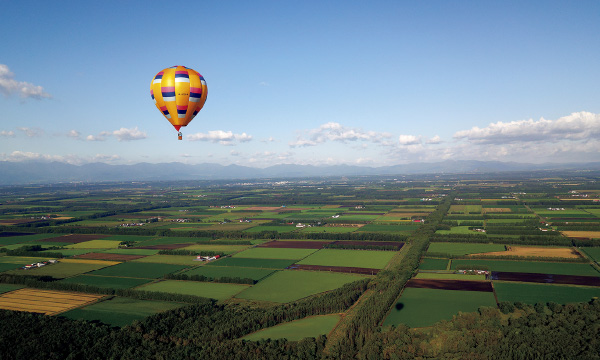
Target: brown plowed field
<point>547,278</point>
<point>111,257</point>
<point>558,252</point>
<point>344,269</point>
<point>370,243</point>
<point>74,238</point>
<point>164,247</point>
<point>264,208</point>
<point>485,286</point>
<point>296,244</point>
<point>47,302</point>
<point>582,234</point>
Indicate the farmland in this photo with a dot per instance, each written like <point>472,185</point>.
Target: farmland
<point>349,258</point>
<point>299,261</point>
<point>286,286</point>
<point>44,301</point>
<point>297,330</point>
<point>210,290</point>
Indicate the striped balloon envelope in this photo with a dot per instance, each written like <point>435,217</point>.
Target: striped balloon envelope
<point>179,93</point>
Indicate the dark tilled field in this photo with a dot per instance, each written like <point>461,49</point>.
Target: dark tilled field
<point>547,278</point>
<point>485,286</point>
<point>343,269</point>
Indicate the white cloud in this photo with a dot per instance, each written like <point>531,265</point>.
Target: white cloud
<point>577,126</point>
<point>268,140</point>
<point>74,134</point>
<point>409,140</point>
<point>9,86</point>
<point>333,131</point>
<point>95,138</point>
<point>234,153</point>
<point>220,136</point>
<point>31,132</point>
<point>434,140</point>
<point>5,133</point>
<point>124,134</point>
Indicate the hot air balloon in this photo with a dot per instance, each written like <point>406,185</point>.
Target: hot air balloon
<point>179,93</point>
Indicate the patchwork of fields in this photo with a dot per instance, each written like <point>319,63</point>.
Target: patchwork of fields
<point>489,248</point>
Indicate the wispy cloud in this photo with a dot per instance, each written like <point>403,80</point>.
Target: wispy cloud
<point>221,137</point>
<point>74,134</point>
<point>123,134</point>
<point>32,132</point>
<point>10,86</point>
<point>5,133</point>
<point>21,156</point>
<point>333,131</point>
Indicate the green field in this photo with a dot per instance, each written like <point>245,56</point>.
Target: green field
<point>9,287</point>
<point>96,244</point>
<point>254,263</point>
<point>188,260</point>
<point>109,282</point>
<point>274,253</point>
<point>219,291</point>
<point>25,238</point>
<point>543,293</point>
<point>171,240</point>
<point>330,229</point>
<point>433,264</point>
<point>120,311</point>
<point>139,270</point>
<point>388,228</point>
<point>458,230</point>
<point>312,326</point>
<point>132,251</point>
<point>463,248</point>
<point>593,252</point>
<point>215,272</point>
<point>424,307</point>
<point>129,238</point>
<point>286,286</point>
<point>282,228</point>
<point>448,276</point>
<point>351,258</point>
<point>531,267</point>
<point>69,252</point>
<point>63,269</point>
<point>224,249</point>
<point>5,266</point>
<point>22,259</point>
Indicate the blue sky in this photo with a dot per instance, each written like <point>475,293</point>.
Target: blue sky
<point>306,82</point>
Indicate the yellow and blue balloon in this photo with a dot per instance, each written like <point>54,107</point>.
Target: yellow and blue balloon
<point>179,93</point>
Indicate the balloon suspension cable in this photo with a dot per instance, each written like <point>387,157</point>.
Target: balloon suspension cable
<point>179,136</point>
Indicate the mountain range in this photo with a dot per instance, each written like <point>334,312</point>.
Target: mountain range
<point>12,173</point>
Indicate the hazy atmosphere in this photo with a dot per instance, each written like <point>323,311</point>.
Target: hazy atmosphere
<point>362,83</point>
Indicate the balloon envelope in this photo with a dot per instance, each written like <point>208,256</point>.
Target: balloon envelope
<point>179,93</point>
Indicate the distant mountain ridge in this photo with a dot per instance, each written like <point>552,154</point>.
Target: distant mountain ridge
<point>12,173</point>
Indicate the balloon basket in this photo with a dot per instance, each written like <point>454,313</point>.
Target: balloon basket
<point>179,136</point>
